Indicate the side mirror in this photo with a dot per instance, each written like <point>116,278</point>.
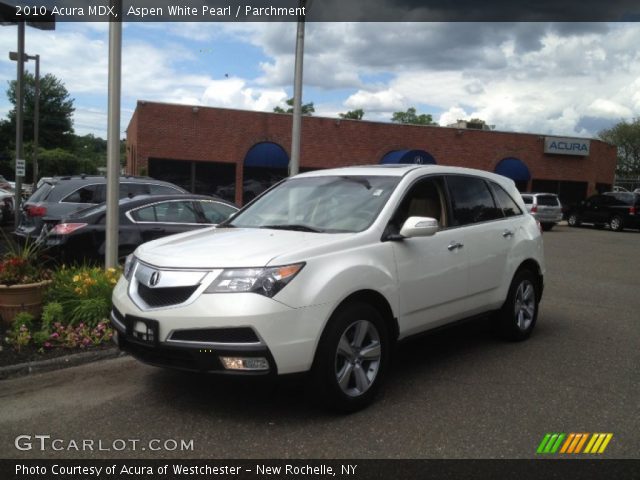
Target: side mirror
<point>419,227</point>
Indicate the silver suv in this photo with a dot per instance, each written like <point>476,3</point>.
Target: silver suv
<point>545,207</point>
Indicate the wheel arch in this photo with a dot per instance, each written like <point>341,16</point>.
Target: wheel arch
<point>533,266</point>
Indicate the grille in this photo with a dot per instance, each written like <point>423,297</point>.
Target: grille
<point>217,335</point>
<point>163,297</point>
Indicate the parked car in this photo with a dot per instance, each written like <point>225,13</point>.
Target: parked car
<point>545,207</point>
<point>81,236</point>
<point>327,270</point>
<point>63,196</point>
<point>6,184</point>
<point>619,210</point>
<point>6,206</point>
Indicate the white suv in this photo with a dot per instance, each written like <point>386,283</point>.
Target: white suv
<point>327,270</point>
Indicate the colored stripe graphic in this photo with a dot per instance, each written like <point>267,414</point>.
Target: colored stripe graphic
<point>573,443</point>
<point>598,443</point>
<point>550,443</point>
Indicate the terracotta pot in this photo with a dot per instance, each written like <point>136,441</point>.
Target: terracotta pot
<point>21,298</point>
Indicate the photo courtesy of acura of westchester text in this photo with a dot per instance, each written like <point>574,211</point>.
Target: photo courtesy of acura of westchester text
<point>367,239</point>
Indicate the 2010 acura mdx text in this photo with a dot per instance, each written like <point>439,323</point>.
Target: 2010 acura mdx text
<point>328,269</point>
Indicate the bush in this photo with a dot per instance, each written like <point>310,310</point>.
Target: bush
<point>20,334</point>
<point>83,293</point>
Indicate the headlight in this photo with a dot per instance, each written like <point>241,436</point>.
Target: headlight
<point>129,265</point>
<point>265,281</point>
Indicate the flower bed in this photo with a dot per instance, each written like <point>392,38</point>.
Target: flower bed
<point>74,317</point>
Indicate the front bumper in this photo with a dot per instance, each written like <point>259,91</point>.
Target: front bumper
<point>287,337</point>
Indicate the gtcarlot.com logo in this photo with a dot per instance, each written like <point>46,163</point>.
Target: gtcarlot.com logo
<point>573,443</point>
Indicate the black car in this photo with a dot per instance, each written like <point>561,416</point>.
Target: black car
<point>81,236</point>
<point>619,210</point>
<point>60,197</point>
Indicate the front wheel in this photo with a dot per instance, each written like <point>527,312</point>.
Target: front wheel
<point>518,315</point>
<point>352,357</point>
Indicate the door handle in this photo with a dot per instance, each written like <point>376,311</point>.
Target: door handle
<point>507,234</point>
<point>454,245</point>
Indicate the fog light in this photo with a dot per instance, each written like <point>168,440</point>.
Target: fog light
<point>245,363</point>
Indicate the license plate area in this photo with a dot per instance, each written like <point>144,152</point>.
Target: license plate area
<point>142,330</point>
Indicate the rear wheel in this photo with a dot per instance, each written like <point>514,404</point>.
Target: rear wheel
<point>573,220</point>
<point>616,224</point>
<point>352,357</point>
<point>518,315</point>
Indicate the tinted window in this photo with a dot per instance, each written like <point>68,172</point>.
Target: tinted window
<point>88,194</point>
<point>623,198</point>
<point>162,190</point>
<point>41,193</point>
<point>133,190</point>
<point>216,212</point>
<point>471,200</point>
<point>527,199</point>
<point>167,212</point>
<point>547,200</point>
<point>509,207</point>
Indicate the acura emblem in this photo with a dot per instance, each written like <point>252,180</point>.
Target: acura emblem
<point>154,279</point>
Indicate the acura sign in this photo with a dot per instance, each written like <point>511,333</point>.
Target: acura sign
<point>567,146</point>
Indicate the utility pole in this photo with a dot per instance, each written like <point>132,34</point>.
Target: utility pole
<point>36,123</point>
<point>19,120</point>
<point>113,137</point>
<point>294,162</point>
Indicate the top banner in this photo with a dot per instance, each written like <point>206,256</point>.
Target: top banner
<point>34,11</point>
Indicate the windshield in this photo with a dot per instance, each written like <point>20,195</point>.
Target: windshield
<point>332,204</point>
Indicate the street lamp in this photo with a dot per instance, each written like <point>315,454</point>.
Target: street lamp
<point>36,110</point>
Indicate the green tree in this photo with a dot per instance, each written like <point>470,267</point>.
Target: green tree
<point>56,110</point>
<point>58,161</point>
<point>626,136</point>
<point>307,108</point>
<point>353,114</point>
<point>411,117</point>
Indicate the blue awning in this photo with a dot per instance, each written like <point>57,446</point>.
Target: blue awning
<point>513,168</point>
<point>409,156</point>
<point>266,155</point>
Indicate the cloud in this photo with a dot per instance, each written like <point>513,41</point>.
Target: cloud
<point>234,93</point>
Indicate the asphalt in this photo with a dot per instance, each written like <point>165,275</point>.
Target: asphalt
<point>458,394</point>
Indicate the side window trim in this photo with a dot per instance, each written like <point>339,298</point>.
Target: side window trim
<point>129,213</point>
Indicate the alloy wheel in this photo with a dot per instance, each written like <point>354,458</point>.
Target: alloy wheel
<point>357,359</point>
<point>525,304</point>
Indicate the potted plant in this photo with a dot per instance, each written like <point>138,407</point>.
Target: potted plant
<point>23,280</point>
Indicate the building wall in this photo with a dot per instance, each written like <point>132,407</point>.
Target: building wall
<point>223,135</point>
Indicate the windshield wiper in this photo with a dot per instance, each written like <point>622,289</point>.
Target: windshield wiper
<point>293,226</point>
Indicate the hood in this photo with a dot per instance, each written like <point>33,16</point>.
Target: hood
<point>230,247</point>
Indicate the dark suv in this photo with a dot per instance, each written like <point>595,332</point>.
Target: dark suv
<point>61,196</point>
<point>617,209</point>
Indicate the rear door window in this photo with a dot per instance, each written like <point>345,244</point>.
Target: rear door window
<point>86,194</point>
<point>471,200</point>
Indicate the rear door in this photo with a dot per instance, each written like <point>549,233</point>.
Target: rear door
<point>166,218</point>
<point>488,236</point>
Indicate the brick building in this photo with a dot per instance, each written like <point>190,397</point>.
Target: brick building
<point>236,153</point>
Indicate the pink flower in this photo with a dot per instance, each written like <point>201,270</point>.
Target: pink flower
<point>54,335</point>
<point>47,345</point>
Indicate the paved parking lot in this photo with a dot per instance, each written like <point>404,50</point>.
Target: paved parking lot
<point>459,394</point>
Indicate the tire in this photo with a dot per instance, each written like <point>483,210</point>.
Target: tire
<point>351,358</point>
<point>616,224</point>
<point>519,313</point>
<point>573,220</point>
<point>547,226</point>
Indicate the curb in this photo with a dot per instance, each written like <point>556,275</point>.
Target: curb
<point>27,368</point>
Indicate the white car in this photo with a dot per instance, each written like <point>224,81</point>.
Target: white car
<point>328,269</point>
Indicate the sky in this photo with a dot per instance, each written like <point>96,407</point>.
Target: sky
<point>567,79</point>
